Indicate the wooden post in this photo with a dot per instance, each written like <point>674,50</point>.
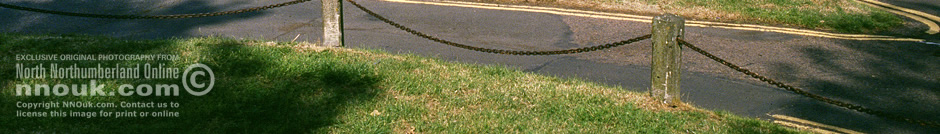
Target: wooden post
<point>332,23</point>
<point>666,58</point>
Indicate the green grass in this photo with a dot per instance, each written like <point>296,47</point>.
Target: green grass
<point>283,88</point>
<point>845,16</point>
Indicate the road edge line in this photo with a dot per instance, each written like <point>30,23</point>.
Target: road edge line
<point>647,19</point>
<point>785,118</point>
<point>910,13</point>
<point>803,127</point>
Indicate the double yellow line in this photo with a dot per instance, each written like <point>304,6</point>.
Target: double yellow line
<point>810,125</point>
<point>922,17</point>
<point>648,19</point>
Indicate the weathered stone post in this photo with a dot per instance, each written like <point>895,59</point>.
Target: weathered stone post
<point>666,58</point>
<point>332,23</point>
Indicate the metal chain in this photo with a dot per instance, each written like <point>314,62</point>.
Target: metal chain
<point>499,51</point>
<point>804,93</point>
<point>175,16</point>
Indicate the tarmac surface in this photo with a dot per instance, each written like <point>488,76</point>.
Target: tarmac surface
<point>900,78</point>
<point>926,6</point>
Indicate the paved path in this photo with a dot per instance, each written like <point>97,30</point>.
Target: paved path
<point>900,78</point>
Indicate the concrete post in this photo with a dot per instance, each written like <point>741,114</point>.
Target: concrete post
<point>332,23</point>
<point>666,58</point>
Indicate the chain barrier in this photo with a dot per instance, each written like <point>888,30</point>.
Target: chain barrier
<point>681,42</point>
<point>804,93</point>
<point>174,16</point>
<point>499,51</point>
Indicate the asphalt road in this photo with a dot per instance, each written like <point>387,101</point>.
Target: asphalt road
<point>927,6</point>
<point>900,78</point>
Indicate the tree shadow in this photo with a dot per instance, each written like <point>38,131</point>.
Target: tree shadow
<point>17,21</point>
<point>254,91</point>
<point>898,78</point>
<point>255,96</point>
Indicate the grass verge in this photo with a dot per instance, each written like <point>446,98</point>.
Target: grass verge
<point>267,87</point>
<point>846,16</point>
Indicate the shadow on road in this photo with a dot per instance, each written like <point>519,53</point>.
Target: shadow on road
<point>896,78</point>
<point>38,23</point>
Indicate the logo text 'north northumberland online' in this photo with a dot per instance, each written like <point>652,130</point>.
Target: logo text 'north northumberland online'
<point>189,79</point>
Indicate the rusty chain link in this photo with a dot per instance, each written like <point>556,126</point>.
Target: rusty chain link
<point>804,93</point>
<point>175,16</point>
<point>499,51</point>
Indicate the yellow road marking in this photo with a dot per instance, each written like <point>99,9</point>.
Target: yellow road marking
<point>910,13</point>
<point>803,127</point>
<point>648,19</point>
<point>811,123</point>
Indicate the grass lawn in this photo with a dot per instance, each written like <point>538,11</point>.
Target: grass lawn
<point>846,16</point>
<point>267,87</point>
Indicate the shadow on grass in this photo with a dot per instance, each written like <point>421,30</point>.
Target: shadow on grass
<point>753,127</point>
<point>257,90</point>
